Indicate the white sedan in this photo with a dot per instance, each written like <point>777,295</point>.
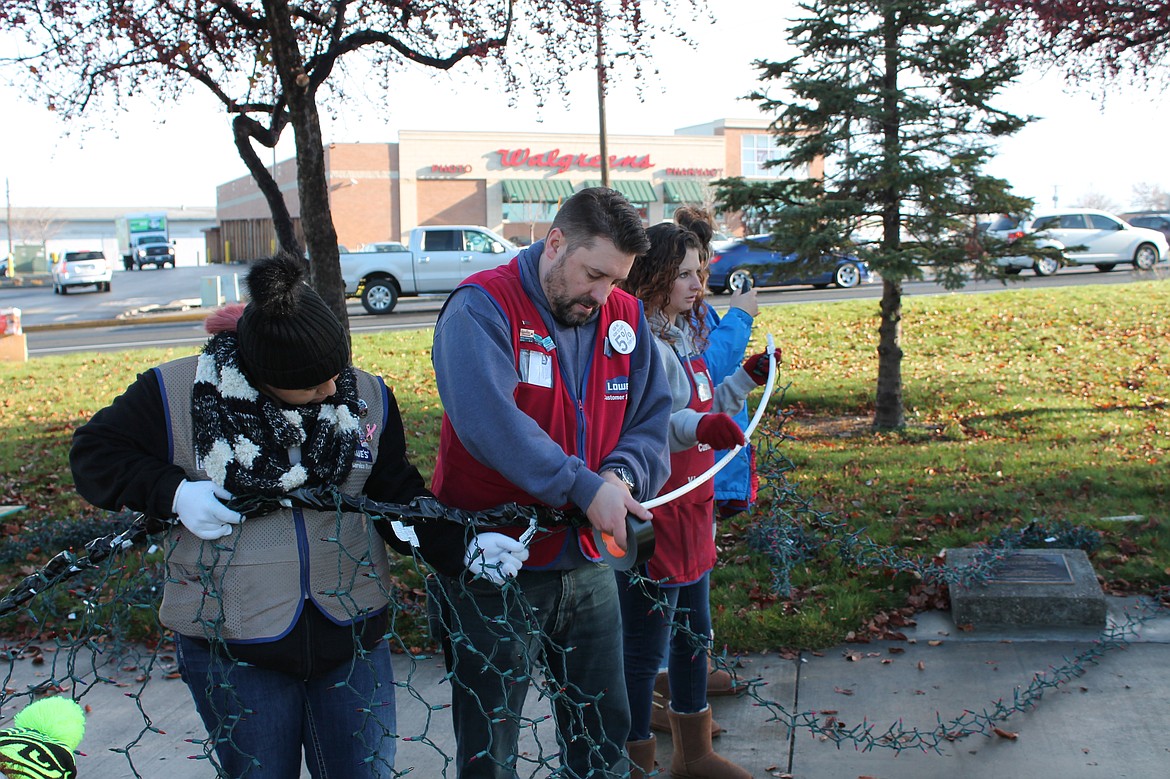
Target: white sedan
<point>1090,237</point>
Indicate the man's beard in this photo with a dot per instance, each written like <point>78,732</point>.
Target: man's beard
<point>561,306</point>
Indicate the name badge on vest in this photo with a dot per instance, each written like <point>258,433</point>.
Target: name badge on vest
<point>703,386</point>
<point>362,457</point>
<point>536,368</point>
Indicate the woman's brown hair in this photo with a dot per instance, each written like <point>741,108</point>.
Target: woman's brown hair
<point>652,276</point>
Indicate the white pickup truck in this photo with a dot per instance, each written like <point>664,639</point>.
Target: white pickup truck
<point>436,260</point>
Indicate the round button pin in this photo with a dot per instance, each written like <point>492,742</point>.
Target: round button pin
<point>622,337</point>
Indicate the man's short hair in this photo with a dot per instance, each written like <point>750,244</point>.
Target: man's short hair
<point>601,212</point>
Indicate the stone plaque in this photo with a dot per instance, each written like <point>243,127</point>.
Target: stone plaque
<point>1030,587</point>
<point>1034,568</point>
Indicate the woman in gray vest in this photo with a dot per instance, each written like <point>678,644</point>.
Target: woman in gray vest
<point>279,619</point>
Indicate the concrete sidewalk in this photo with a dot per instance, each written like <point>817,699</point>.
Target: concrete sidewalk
<point>1109,722</point>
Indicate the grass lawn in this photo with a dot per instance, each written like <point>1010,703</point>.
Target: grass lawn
<point>1024,405</point>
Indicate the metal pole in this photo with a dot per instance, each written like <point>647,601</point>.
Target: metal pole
<point>601,101</point>
<point>8,225</point>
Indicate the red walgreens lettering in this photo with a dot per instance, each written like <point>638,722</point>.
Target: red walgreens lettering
<point>514,158</point>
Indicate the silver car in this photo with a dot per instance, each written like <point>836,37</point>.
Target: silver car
<point>1008,229</point>
<point>1090,237</point>
<point>82,269</point>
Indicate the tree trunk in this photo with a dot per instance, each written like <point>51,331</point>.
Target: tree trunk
<point>889,413</point>
<point>286,237</point>
<point>316,215</point>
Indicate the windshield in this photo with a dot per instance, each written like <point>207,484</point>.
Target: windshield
<point>152,239</point>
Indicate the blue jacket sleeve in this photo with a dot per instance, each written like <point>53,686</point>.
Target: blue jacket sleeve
<point>727,340</point>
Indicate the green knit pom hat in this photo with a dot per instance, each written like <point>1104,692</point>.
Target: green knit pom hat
<point>41,740</point>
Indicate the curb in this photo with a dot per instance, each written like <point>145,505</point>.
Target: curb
<point>186,316</point>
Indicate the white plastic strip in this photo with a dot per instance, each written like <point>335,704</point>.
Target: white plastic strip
<point>747,434</point>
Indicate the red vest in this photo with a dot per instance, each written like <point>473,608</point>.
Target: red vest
<point>586,422</point>
<point>684,546</point>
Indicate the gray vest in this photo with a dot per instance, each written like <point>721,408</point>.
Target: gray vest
<point>250,586</point>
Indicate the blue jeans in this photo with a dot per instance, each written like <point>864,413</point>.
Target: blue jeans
<point>260,720</point>
<point>565,623</point>
<point>652,616</point>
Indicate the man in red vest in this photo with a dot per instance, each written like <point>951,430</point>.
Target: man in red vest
<point>553,394</point>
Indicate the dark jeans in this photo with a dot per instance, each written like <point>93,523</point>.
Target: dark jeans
<point>261,720</point>
<point>563,623</point>
<point>652,616</point>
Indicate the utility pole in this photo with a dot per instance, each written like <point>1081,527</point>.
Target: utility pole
<point>8,227</point>
<point>601,100</point>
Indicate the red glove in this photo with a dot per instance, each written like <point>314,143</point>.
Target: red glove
<point>719,431</point>
<point>757,366</point>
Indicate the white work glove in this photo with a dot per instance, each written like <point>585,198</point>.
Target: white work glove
<point>200,510</point>
<point>495,556</point>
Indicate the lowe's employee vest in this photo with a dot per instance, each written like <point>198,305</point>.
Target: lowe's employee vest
<point>684,547</point>
<point>588,426</point>
<point>251,586</point>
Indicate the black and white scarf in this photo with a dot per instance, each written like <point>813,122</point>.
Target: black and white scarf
<point>243,437</point>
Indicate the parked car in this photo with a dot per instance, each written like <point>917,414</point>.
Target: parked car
<point>753,259</point>
<point>1151,220</point>
<point>82,269</point>
<point>1086,236</point>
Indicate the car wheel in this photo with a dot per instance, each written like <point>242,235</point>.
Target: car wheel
<point>738,277</point>
<point>1145,257</point>
<point>64,290</point>
<point>104,286</point>
<point>847,275</point>
<point>380,295</point>
<point>1105,267</point>
<point>1046,266</point>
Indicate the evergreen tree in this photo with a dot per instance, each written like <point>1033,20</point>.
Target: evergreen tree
<point>893,96</point>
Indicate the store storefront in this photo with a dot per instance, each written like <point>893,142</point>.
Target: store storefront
<point>512,183</point>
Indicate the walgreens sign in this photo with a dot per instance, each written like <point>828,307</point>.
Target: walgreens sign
<point>524,158</point>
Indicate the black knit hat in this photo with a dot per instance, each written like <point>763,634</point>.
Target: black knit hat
<point>288,338</point>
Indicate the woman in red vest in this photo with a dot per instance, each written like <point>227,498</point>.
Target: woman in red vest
<point>667,279</point>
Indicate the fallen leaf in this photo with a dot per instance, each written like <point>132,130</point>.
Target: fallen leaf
<point>843,690</point>
<point>921,666</point>
<point>1005,734</point>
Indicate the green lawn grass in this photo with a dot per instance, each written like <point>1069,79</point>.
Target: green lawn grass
<point>1023,405</point>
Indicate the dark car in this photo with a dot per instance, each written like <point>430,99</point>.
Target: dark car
<point>752,258</point>
<point>1154,220</point>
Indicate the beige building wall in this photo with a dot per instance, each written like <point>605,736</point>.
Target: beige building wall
<point>380,191</point>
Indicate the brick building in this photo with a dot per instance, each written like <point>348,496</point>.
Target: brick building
<point>510,182</point>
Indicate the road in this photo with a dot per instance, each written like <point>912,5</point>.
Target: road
<point>139,289</point>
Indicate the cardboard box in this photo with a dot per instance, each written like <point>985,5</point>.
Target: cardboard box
<point>14,348</point>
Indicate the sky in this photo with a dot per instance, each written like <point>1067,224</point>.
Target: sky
<point>175,156</point>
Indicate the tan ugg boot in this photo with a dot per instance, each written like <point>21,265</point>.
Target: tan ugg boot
<point>692,756</point>
<point>659,723</point>
<point>642,757</point>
